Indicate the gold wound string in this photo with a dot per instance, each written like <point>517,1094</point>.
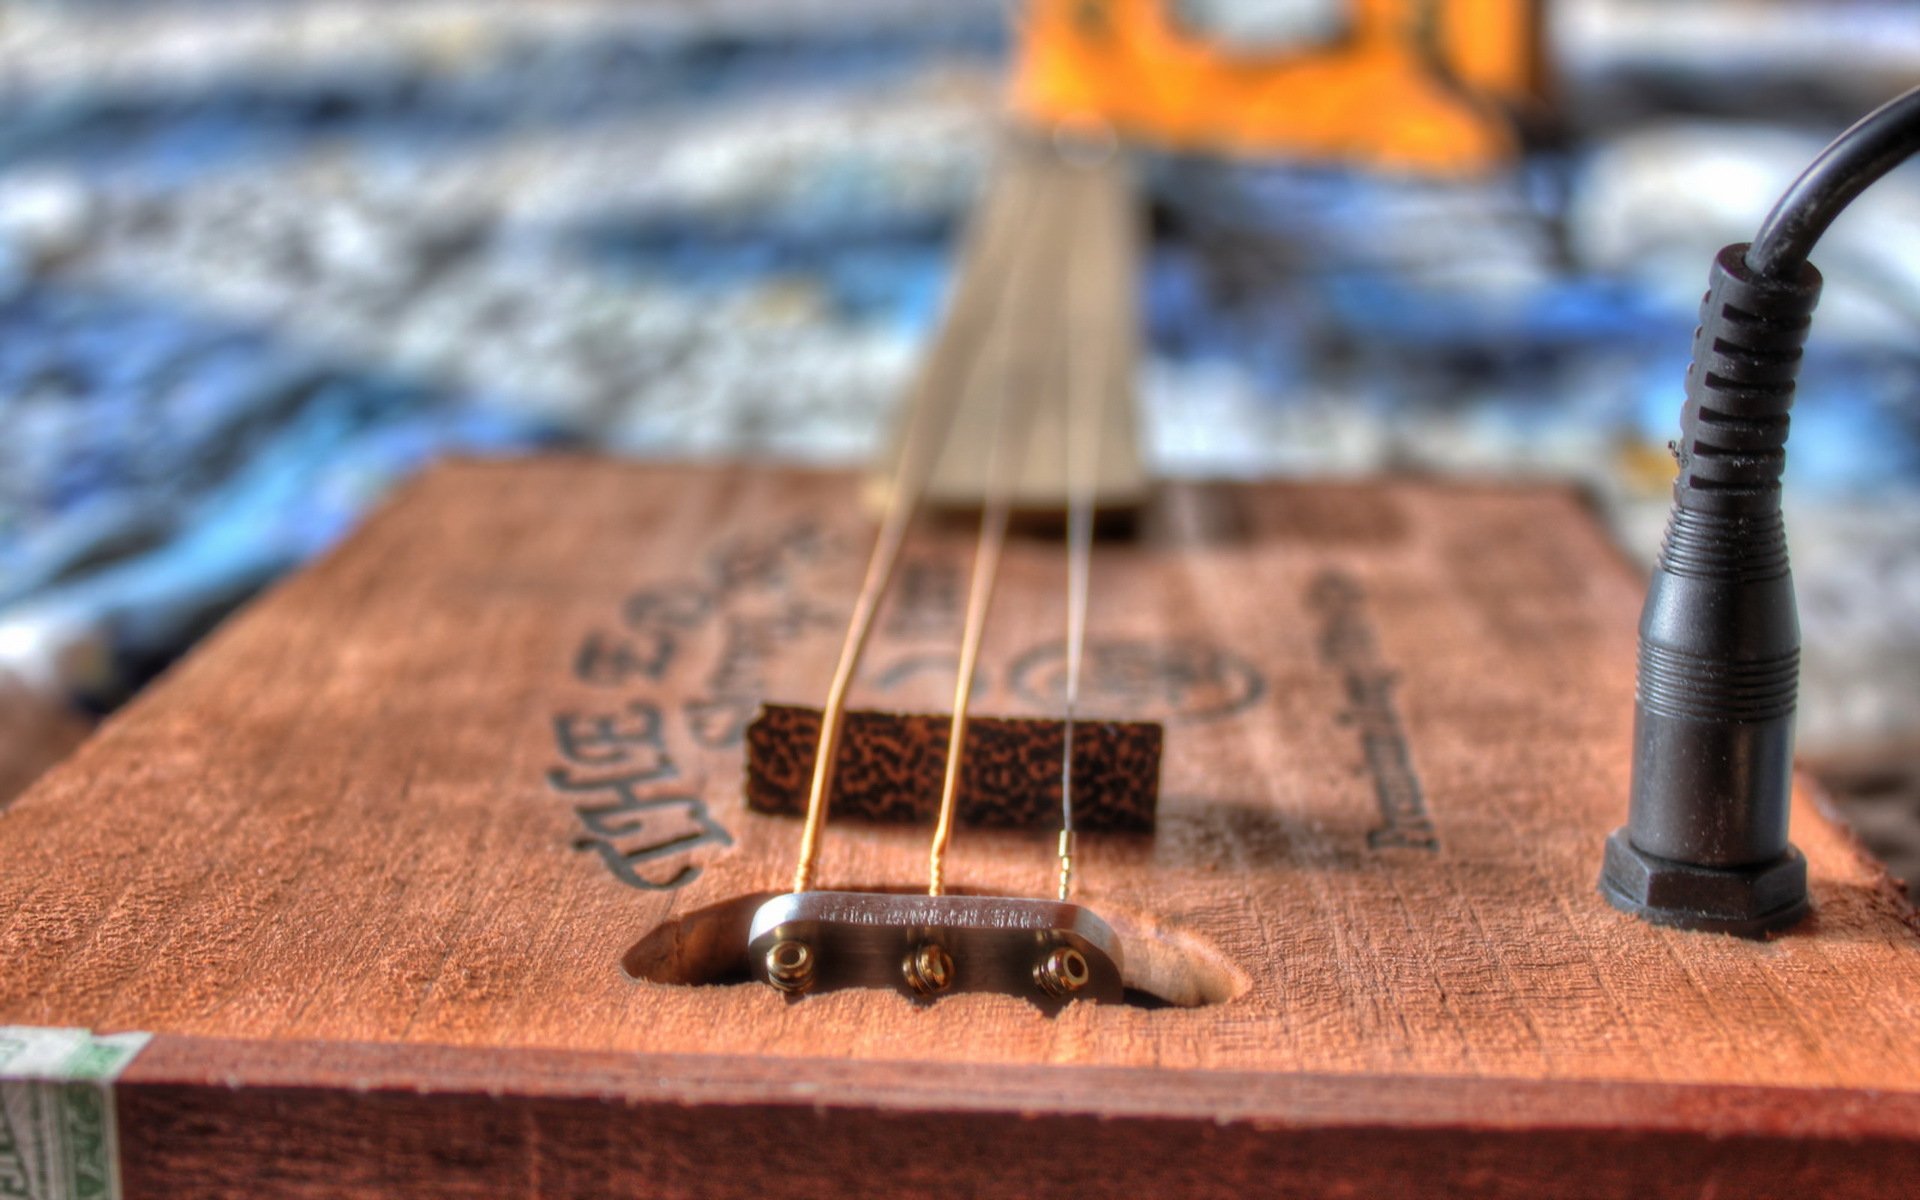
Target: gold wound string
<point>1006,459</point>
<point>927,426</point>
<point>1004,462</point>
<point>901,503</point>
<point>986,570</point>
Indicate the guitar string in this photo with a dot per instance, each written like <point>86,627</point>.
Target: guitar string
<point>1006,462</point>
<point>991,539</point>
<point>903,500</point>
<point>904,494</point>
<point>1086,411</point>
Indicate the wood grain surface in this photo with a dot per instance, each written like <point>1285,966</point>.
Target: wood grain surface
<point>387,840</point>
<point>242,1119</point>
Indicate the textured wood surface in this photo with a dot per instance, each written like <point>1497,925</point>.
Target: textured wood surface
<point>419,805</point>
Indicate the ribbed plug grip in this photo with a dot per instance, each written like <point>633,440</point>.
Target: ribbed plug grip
<point>1746,356</point>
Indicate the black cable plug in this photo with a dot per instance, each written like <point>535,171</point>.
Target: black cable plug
<point>1705,844</point>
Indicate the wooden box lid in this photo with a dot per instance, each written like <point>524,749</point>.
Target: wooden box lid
<point>407,866</point>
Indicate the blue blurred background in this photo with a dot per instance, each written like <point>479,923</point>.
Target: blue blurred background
<point>260,260</point>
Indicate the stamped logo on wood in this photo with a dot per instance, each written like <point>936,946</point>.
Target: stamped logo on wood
<point>1350,645</point>
<point>636,805</point>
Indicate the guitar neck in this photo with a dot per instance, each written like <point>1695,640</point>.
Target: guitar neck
<point>1044,309</point>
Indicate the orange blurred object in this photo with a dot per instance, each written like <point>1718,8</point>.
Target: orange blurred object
<point>1416,85</point>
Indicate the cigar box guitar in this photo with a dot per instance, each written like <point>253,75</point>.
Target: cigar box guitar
<point>1012,825</point>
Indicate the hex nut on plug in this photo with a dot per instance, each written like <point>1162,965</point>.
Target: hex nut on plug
<point>1749,902</point>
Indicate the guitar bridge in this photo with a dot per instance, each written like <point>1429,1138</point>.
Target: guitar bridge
<point>1046,951</point>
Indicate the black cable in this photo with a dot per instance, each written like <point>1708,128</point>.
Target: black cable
<point>1705,845</point>
<point>1851,163</point>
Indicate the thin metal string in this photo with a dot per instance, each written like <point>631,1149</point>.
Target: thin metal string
<point>1086,405</point>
